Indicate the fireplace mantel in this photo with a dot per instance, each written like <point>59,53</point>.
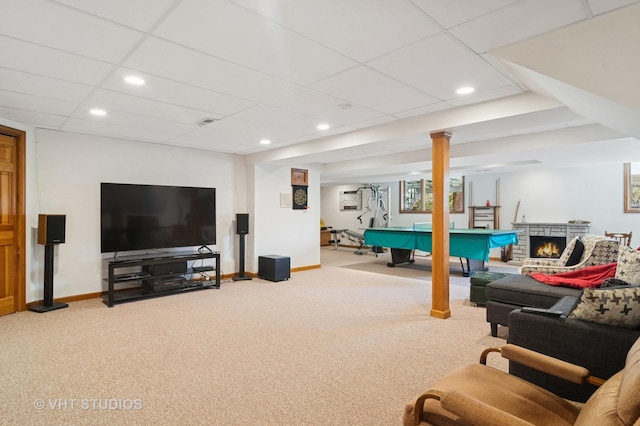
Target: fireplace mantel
<point>567,230</point>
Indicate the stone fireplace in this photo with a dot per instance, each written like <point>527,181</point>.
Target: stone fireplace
<point>554,232</point>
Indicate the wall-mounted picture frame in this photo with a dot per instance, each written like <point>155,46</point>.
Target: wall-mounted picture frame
<point>417,196</point>
<point>350,200</point>
<point>631,187</point>
<point>300,177</point>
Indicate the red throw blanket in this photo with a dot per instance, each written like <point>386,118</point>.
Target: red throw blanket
<point>591,276</point>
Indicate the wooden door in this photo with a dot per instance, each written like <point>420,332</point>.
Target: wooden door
<point>11,224</point>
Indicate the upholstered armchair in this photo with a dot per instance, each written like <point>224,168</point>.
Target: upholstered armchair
<point>482,395</point>
<point>595,250</point>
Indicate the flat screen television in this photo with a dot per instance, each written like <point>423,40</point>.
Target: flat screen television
<point>140,217</point>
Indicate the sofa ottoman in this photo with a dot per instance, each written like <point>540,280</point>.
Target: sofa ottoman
<point>479,281</point>
<point>516,291</point>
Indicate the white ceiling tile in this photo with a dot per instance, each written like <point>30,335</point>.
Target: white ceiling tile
<point>484,96</point>
<point>238,35</point>
<point>518,21</point>
<point>440,106</point>
<point>257,130</point>
<point>50,62</point>
<point>69,30</point>
<point>119,118</point>
<point>218,135</point>
<point>279,117</point>
<point>144,107</point>
<point>454,12</point>
<point>602,6</point>
<point>31,84</point>
<point>140,14</point>
<point>438,66</point>
<point>360,29</point>
<point>211,144</point>
<point>171,61</point>
<point>389,97</point>
<point>35,103</point>
<point>324,107</point>
<point>34,118</point>
<point>113,130</point>
<point>173,92</point>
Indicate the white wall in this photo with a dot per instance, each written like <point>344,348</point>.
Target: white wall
<point>70,168</point>
<point>593,193</point>
<point>282,230</point>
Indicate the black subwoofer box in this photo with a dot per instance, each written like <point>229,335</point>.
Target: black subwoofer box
<point>274,268</point>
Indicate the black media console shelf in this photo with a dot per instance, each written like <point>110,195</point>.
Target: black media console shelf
<point>160,275</point>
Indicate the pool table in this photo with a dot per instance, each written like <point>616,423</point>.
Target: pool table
<point>472,244</point>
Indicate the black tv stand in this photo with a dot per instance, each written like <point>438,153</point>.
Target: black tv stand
<point>147,282</point>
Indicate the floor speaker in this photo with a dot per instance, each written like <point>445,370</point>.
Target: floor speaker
<point>242,223</point>
<point>274,267</point>
<point>51,229</point>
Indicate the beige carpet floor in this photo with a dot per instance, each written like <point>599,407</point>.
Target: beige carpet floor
<point>339,345</point>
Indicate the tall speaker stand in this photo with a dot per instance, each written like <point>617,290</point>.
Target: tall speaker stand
<point>49,304</point>
<point>241,276</point>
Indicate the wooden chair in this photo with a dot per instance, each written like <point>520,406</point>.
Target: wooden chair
<point>624,239</point>
<point>482,395</point>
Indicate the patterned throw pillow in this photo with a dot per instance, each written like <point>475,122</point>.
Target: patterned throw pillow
<point>628,265</point>
<point>618,306</point>
<point>614,282</point>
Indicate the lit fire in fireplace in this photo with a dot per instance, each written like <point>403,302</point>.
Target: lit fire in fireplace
<point>549,250</point>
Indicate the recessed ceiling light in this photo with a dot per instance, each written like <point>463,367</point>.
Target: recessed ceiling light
<point>132,79</point>
<point>323,127</point>
<point>98,112</point>
<point>465,90</point>
<point>265,142</point>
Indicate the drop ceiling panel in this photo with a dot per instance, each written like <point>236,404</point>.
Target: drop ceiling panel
<point>390,96</point>
<point>171,61</point>
<point>440,106</point>
<point>35,103</point>
<point>173,92</point>
<point>102,128</point>
<point>61,27</point>
<point>360,29</point>
<point>140,14</point>
<point>124,119</point>
<point>113,101</point>
<point>23,56</point>
<point>601,6</point>
<point>454,12</point>
<point>33,118</point>
<point>325,107</point>
<point>487,95</point>
<point>438,66</point>
<point>518,21</point>
<point>31,84</point>
<point>279,117</point>
<point>223,136</point>
<point>238,35</point>
<point>206,144</point>
<point>258,130</point>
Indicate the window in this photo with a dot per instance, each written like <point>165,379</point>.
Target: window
<point>416,196</point>
<point>632,187</point>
